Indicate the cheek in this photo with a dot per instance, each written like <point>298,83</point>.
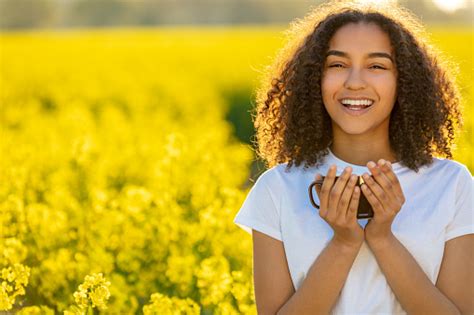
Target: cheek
<point>329,85</point>
<point>386,85</point>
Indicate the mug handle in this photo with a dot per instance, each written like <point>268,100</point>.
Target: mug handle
<point>310,191</point>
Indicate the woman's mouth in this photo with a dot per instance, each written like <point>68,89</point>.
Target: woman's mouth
<point>356,107</point>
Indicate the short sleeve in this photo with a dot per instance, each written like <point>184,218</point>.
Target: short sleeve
<point>463,220</point>
<point>259,210</point>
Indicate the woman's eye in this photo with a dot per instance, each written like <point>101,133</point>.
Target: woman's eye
<point>380,67</point>
<point>339,65</point>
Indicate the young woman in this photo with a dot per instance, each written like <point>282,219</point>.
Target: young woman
<point>357,91</point>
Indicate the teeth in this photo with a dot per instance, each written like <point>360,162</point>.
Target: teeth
<point>356,107</point>
<point>357,102</point>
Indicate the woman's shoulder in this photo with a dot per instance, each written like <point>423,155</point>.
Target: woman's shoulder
<point>281,170</point>
<point>450,168</point>
<point>280,178</point>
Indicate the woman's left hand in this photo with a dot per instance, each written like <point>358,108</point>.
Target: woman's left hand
<point>385,195</point>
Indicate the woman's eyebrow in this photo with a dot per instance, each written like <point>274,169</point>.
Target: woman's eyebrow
<point>369,55</point>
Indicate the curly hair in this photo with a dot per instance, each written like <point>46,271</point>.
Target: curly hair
<point>291,122</point>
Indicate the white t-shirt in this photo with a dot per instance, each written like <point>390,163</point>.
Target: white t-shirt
<point>438,207</point>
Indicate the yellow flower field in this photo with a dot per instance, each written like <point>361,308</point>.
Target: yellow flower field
<point>120,175</point>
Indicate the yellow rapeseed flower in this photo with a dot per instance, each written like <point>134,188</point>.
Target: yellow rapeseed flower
<point>94,290</point>
<point>164,305</point>
<point>14,280</point>
<point>36,310</point>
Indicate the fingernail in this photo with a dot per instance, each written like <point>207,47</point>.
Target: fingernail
<point>371,164</point>
<point>382,162</point>
<point>389,164</point>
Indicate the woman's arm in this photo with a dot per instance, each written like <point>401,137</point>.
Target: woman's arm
<point>326,277</point>
<point>324,281</point>
<point>408,281</point>
<point>411,286</point>
<point>456,276</point>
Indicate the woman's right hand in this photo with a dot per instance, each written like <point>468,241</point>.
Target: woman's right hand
<point>338,205</point>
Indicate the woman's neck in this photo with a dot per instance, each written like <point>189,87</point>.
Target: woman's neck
<point>361,154</point>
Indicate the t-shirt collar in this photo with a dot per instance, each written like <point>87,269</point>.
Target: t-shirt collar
<point>356,169</point>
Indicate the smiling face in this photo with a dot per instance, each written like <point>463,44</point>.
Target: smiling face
<point>360,64</point>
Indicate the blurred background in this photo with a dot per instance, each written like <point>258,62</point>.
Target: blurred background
<point>126,147</point>
<point>106,13</point>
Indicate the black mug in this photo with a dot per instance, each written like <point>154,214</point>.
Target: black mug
<point>364,210</point>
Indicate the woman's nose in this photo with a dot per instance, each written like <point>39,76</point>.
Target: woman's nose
<point>355,80</point>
